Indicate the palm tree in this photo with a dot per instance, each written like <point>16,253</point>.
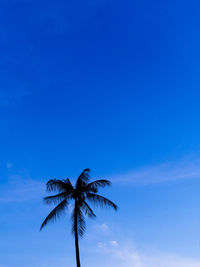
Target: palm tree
<point>82,191</point>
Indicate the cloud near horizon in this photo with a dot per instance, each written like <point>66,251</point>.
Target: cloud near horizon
<point>127,255</point>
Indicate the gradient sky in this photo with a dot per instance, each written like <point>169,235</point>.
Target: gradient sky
<point>113,86</point>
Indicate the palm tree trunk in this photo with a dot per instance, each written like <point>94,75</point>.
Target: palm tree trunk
<point>76,238</point>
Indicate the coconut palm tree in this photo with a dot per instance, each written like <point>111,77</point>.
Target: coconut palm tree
<point>80,193</point>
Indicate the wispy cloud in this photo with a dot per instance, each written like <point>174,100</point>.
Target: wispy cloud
<point>22,189</point>
<point>185,169</point>
<point>12,96</point>
<point>102,228</point>
<point>127,255</point>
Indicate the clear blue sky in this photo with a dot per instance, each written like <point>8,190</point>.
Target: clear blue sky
<point>113,86</point>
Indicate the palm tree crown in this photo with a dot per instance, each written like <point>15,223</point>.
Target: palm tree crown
<point>82,192</point>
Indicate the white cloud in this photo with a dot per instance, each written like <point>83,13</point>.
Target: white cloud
<point>114,243</point>
<point>101,245</point>
<point>185,169</point>
<point>103,227</point>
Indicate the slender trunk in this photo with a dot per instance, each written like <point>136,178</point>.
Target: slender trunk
<point>76,238</point>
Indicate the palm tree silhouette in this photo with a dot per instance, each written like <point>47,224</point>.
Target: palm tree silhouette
<point>82,191</point>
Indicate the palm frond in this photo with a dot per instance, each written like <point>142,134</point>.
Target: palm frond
<point>94,186</point>
<point>87,210</point>
<point>55,199</point>
<point>55,213</point>
<point>101,201</point>
<point>55,185</point>
<point>69,184</point>
<point>83,178</point>
<point>59,185</point>
<point>81,225</point>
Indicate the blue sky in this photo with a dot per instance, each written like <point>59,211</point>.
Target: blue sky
<point>113,86</point>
